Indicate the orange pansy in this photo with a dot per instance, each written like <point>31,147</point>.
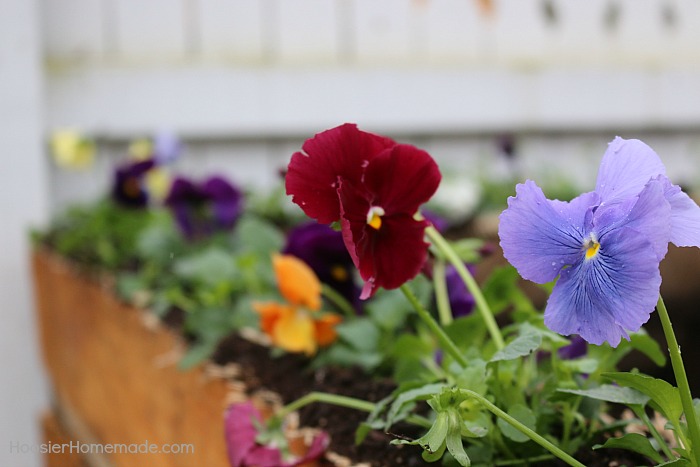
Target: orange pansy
<point>296,326</point>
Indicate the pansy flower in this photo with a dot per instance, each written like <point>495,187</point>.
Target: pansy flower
<point>241,426</point>
<point>323,249</point>
<point>461,300</point>
<point>374,187</point>
<point>129,188</point>
<point>604,245</point>
<point>71,149</point>
<point>200,209</point>
<point>297,325</point>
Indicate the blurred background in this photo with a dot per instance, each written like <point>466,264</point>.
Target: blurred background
<point>494,90</point>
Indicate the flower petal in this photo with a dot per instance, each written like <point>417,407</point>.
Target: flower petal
<point>269,313</point>
<point>540,237</point>
<point>387,257</point>
<point>226,199</point>
<point>685,216</point>
<point>626,168</point>
<point>312,175</point>
<point>295,332</point>
<point>240,432</point>
<point>604,297</point>
<point>297,282</point>
<point>649,215</point>
<point>402,178</point>
<point>325,329</point>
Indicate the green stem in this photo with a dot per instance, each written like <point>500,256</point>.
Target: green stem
<point>441,297</point>
<point>642,415</point>
<point>481,304</point>
<point>523,429</point>
<point>335,399</point>
<point>445,342</point>
<point>342,401</point>
<point>674,351</point>
<point>338,300</point>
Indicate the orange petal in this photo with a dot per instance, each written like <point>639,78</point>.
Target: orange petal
<point>270,313</point>
<point>297,282</point>
<point>325,329</point>
<point>294,332</point>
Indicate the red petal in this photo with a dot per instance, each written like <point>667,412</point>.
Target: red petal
<point>402,179</point>
<point>392,255</point>
<point>312,175</point>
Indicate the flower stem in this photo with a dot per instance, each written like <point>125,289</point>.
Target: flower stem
<point>342,401</point>
<point>338,300</point>
<point>335,399</point>
<point>481,304</point>
<point>523,429</point>
<point>642,415</point>
<point>674,351</point>
<point>445,342</point>
<point>441,297</point>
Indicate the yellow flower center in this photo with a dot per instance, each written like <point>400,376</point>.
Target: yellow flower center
<point>339,273</point>
<point>374,217</point>
<point>592,246</point>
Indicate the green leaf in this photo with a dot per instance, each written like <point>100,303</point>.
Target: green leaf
<point>610,393</point>
<point>522,414</point>
<point>129,284</point>
<point>210,267</point>
<point>434,440</point>
<point>649,347</point>
<point>680,462</point>
<point>360,333</point>
<point>633,442</point>
<point>521,346</point>
<point>252,234</point>
<point>662,393</point>
<point>411,395</point>
<point>580,365</point>
<point>197,354</point>
<point>454,440</point>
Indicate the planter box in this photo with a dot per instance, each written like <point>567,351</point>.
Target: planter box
<point>114,375</point>
<point>113,371</point>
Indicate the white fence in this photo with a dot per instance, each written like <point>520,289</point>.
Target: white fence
<point>245,81</point>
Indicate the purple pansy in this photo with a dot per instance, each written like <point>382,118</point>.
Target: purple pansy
<point>166,147</point>
<point>243,450</point>
<point>323,249</point>
<point>461,300</point>
<point>577,348</point>
<point>128,189</point>
<point>604,245</point>
<point>202,209</point>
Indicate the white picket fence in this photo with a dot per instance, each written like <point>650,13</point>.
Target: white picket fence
<point>245,81</point>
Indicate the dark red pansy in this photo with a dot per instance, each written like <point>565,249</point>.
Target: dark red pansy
<point>374,186</point>
<point>312,175</point>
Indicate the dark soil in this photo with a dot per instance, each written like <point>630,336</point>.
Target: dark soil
<point>290,376</point>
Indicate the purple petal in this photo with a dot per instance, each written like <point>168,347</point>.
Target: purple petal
<point>612,293</point>
<point>626,168</point>
<point>240,432</point>
<point>323,249</point>
<point>227,201</point>
<point>461,300</point>
<point>685,215</point>
<point>649,215</point>
<point>166,147</point>
<point>577,348</point>
<point>540,237</point>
